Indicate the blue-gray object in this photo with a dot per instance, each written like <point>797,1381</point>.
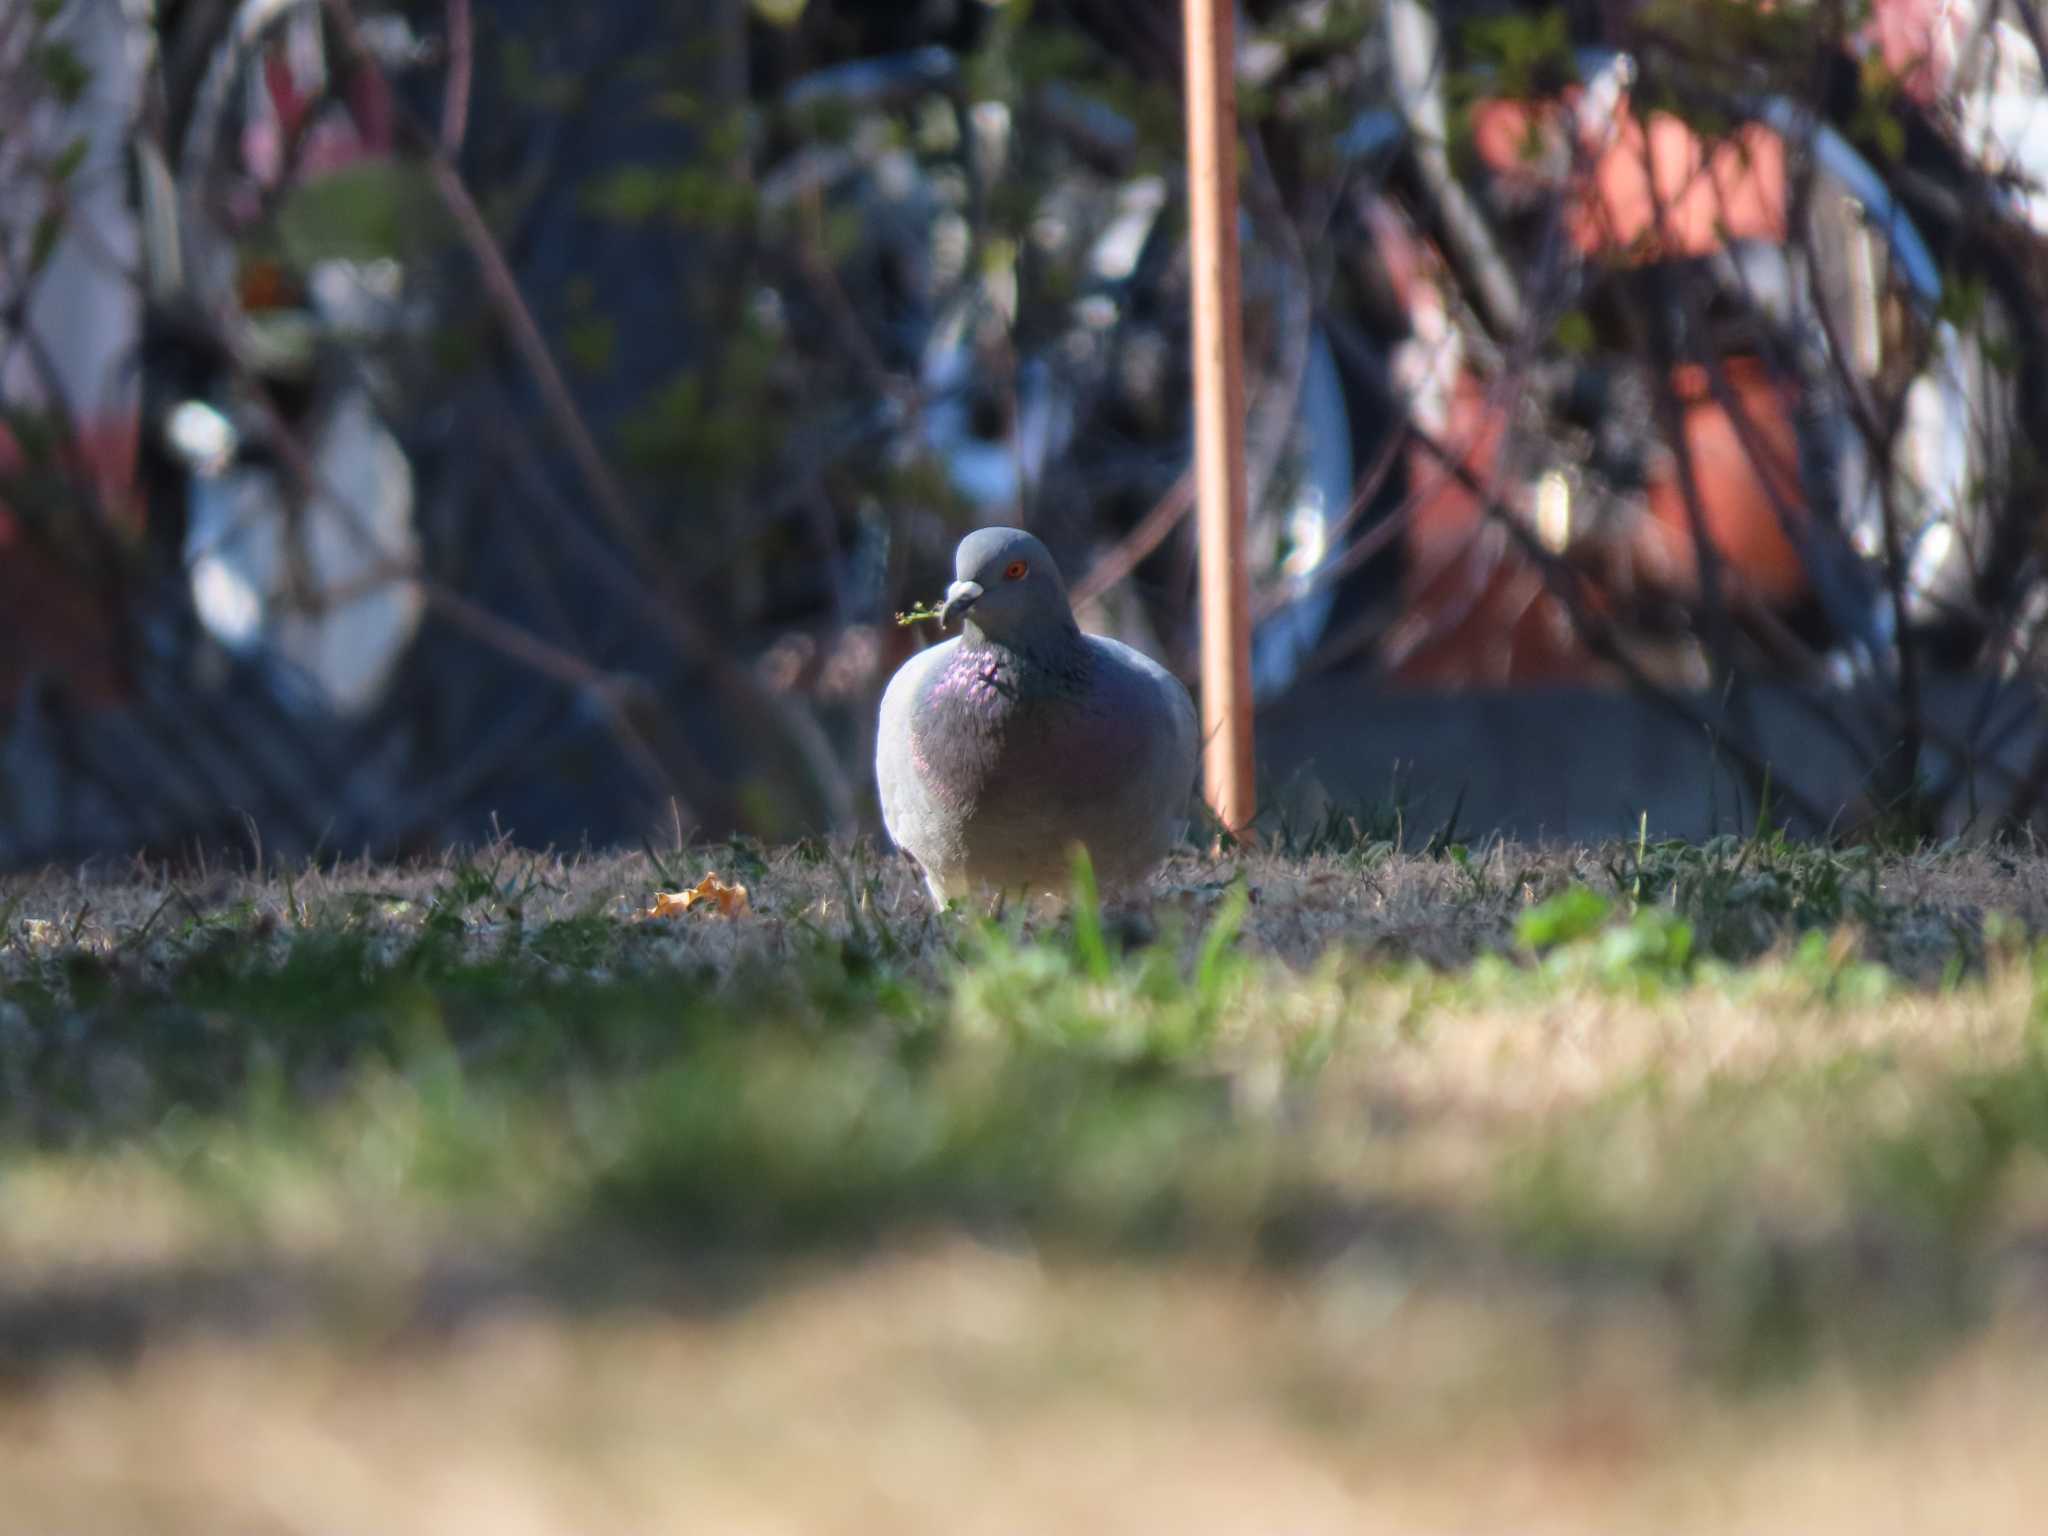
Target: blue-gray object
<point>1001,749</point>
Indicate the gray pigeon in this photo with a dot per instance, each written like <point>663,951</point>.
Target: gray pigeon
<point>1001,749</point>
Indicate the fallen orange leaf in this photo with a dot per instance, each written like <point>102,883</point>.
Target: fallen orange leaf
<point>726,900</point>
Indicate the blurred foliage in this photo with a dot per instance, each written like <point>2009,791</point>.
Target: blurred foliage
<point>362,212</point>
<point>830,282</point>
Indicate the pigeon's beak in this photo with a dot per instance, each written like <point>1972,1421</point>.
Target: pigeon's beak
<point>960,597</point>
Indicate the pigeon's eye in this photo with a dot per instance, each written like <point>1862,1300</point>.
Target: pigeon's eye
<point>1015,570</point>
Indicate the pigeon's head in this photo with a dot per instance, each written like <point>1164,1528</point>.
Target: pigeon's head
<point>1007,587</point>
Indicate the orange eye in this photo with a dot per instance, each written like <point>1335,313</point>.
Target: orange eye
<point>1015,570</point>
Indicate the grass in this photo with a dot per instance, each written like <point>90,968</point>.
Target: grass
<point>1720,1166</point>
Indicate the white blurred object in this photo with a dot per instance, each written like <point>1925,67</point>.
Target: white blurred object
<point>356,300</point>
<point>1117,249</point>
<point>1297,538</point>
<point>1935,458</point>
<point>2004,116</point>
<point>201,436</point>
<point>228,605</point>
<point>331,592</point>
<point>1973,63</point>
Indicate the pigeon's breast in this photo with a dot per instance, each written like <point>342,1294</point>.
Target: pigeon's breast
<point>988,723</point>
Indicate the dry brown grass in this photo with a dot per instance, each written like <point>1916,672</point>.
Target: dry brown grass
<point>1373,902</point>
<point>953,1389</point>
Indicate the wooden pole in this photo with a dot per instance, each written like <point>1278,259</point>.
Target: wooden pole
<point>1220,492</point>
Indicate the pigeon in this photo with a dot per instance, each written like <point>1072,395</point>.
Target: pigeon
<point>999,750</point>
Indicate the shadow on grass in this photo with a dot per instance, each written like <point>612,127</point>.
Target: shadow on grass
<point>1757,1315</point>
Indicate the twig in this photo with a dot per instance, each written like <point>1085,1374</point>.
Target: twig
<point>1130,551</point>
<point>2037,31</point>
<point>564,666</point>
<point>1414,50</point>
<point>532,346</point>
<point>1275,396</point>
<point>461,63</point>
<point>846,321</point>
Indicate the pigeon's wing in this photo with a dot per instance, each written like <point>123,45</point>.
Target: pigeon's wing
<point>1178,734</point>
<point>908,810</point>
<point>1157,738</point>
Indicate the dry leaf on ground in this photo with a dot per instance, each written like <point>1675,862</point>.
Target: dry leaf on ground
<point>711,893</point>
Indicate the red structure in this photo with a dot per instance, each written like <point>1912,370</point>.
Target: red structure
<point>60,601</point>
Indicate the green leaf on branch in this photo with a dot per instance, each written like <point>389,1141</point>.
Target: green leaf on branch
<point>63,71</point>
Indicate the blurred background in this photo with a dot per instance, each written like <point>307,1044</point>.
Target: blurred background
<point>424,420</point>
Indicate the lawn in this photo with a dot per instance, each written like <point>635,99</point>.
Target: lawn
<point>1646,1187</point>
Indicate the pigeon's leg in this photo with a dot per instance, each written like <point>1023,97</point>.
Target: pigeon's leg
<point>941,897</point>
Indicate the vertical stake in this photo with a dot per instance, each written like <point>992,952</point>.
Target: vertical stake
<point>1219,411</point>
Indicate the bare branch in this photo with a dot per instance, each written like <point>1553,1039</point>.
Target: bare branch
<point>461,62</point>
